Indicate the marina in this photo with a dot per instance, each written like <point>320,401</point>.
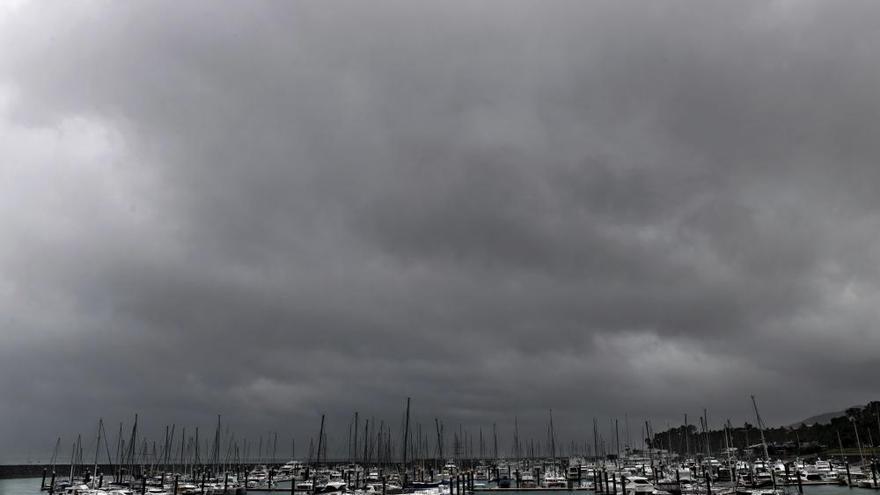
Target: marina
<point>30,486</point>
<point>380,462</point>
<point>26,486</point>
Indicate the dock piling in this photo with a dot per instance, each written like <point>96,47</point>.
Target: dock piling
<point>800,484</point>
<point>874,471</point>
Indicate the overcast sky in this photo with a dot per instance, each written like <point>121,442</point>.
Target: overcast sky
<point>273,210</point>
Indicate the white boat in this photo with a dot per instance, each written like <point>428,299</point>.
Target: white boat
<point>867,483</point>
<point>526,480</point>
<point>553,479</point>
<point>332,487</point>
<point>759,491</point>
<point>638,485</point>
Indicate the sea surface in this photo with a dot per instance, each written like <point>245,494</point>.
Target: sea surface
<point>31,486</point>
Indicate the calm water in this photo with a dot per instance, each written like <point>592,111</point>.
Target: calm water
<point>31,486</point>
<point>25,486</point>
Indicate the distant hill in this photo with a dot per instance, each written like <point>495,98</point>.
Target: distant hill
<point>821,419</point>
<point>823,432</point>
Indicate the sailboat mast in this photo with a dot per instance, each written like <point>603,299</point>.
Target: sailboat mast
<point>355,448</point>
<point>405,441</point>
<point>706,428</point>
<point>617,437</point>
<point>97,447</point>
<point>595,441</point>
<point>760,428</point>
<point>55,453</point>
<point>730,465</point>
<point>72,459</point>
<point>320,443</point>
<point>439,439</point>
<point>495,441</point>
<point>687,443</point>
<point>858,442</point>
<point>516,437</point>
<point>366,441</point>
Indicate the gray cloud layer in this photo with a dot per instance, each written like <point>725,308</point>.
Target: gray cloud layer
<point>269,210</point>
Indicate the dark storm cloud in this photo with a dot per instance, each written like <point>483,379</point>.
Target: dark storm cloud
<point>270,210</point>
